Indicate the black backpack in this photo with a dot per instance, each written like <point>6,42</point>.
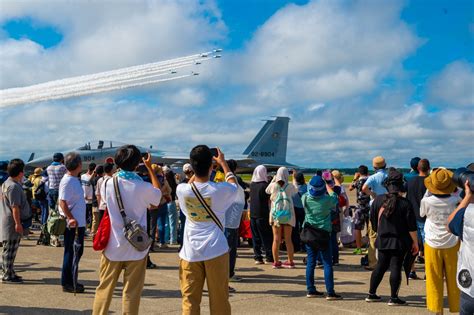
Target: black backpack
<point>40,192</point>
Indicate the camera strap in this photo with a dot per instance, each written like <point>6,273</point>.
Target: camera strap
<point>118,197</point>
<point>206,207</point>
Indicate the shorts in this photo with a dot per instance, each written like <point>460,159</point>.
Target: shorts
<point>361,218</point>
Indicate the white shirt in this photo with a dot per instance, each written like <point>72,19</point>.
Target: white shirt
<point>70,190</point>
<point>100,181</point>
<point>437,211</point>
<point>137,196</point>
<point>202,239</point>
<point>87,186</point>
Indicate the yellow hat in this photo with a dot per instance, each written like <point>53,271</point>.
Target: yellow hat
<point>38,171</point>
<point>378,162</point>
<point>439,182</point>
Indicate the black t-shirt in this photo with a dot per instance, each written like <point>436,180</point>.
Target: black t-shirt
<point>415,191</point>
<point>363,200</point>
<point>393,232</point>
<point>259,201</point>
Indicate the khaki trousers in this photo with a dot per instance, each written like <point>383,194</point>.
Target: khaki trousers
<point>133,281</point>
<point>441,263</point>
<point>95,221</point>
<point>371,251</point>
<point>191,278</point>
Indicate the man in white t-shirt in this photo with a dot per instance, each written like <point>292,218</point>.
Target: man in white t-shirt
<point>86,182</point>
<point>119,254</point>
<point>72,206</point>
<point>204,255</point>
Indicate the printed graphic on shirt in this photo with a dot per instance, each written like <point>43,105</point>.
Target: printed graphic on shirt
<point>196,211</point>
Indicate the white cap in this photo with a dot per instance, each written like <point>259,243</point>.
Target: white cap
<point>187,168</point>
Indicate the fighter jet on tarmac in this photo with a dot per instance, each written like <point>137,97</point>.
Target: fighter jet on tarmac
<point>268,148</point>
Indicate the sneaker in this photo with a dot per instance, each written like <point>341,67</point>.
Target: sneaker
<point>357,251</point>
<point>288,265</point>
<point>276,265</point>
<point>163,246</point>
<point>424,278</point>
<point>373,298</point>
<point>319,266</point>
<point>314,294</point>
<point>259,262</point>
<point>232,290</point>
<point>70,289</point>
<point>235,279</point>
<point>413,276</point>
<point>269,261</point>
<point>396,302</point>
<point>13,280</point>
<point>333,297</point>
<point>335,264</point>
<point>151,265</point>
<point>420,260</point>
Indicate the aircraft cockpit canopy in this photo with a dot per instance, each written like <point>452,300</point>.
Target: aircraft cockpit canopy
<point>99,145</point>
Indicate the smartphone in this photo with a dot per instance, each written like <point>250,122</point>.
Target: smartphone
<point>214,152</point>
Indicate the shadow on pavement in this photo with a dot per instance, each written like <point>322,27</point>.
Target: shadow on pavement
<point>5,309</point>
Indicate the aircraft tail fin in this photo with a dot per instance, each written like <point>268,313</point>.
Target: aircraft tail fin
<point>32,156</point>
<point>270,144</point>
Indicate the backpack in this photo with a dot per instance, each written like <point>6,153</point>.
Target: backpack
<point>40,192</point>
<point>281,210</point>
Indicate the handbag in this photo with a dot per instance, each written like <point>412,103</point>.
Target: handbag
<point>101,238</point>
<point>56,224</point>
<point>316,238</point>
<point>135,234</point>
<point>206,207</point>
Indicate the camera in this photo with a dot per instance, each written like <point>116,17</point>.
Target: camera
<point>461,175</point>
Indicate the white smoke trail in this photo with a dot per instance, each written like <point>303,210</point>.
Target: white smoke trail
<point>105,81</point>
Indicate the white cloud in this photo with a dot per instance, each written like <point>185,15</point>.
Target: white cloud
<point>325,50</point>
<point>454,85</point>
<point>99,36</point>
<point>316,106</point>
<point>185,97</point>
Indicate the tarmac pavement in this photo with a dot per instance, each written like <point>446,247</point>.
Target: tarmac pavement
<point>262,290</point>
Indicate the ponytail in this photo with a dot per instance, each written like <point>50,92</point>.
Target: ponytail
<point>390,203</point>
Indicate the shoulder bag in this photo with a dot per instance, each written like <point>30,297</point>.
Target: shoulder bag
<point>135,234</point>
<point>101,238</point>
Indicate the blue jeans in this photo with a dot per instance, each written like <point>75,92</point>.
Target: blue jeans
<point>232,236</point>
<point>53,195</point>
<point>162,215</point>
<point>466,305</point>
<point>173,222</point>
<point>333,249</point>
<point>328,271</point>
<point>69,240</point>
<point>420,230</point>
<point>44,211</point>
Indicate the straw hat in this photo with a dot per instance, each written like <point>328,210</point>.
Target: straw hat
<point>378,162</point>
<point>439,182</point>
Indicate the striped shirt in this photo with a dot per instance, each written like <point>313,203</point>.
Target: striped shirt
<point>55,172</point>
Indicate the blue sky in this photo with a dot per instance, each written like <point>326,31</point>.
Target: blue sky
<point>357,78</point>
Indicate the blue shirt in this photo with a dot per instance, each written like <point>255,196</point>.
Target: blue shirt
<point>410,175</point>
<point>457,223</point>
<point>374,182</point>
<point>302,189</point>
